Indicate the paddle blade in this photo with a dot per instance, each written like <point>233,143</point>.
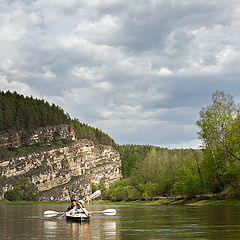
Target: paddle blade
<point>95,194</point>
<point>62,215</point>
<point>109,212</point>
<point>50,213</point>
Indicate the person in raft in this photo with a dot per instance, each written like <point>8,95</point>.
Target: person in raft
<point>80,208</point>
<point>73,205</point>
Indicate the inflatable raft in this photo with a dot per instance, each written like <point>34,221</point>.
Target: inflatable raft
<point>77,217</point>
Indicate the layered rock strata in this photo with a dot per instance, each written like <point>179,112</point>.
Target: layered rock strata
<point>14,139</point>
<point>64,172</point>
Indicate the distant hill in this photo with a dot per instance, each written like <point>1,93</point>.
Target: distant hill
<point>18,112</point>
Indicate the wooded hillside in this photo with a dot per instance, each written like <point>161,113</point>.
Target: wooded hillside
<point>18,112</point>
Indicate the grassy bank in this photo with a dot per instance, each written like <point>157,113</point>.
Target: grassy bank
<point>174,202</point>
<point>27,202</point>
<point>163,201</point>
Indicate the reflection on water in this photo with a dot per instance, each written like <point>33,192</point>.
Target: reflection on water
<point>131,222</point>
<point>110,228</point>
<point>80,231</point>
<point>97,228</point>
<point>50,225</point>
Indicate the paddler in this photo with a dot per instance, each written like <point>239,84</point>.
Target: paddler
<point>73,205</point>
<point>80,208</point>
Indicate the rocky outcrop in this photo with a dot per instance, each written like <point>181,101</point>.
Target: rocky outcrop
<point>14,139</point>
<point>81,186</point>
<point>64,172</point>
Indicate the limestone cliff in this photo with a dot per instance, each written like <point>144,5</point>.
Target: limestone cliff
<point>40,135</point>
<point>63,172</point>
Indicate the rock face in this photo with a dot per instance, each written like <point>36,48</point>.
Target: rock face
<point>41,135</point>
<point>64,172</point>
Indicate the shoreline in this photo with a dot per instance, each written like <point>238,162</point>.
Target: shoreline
<point>169,202</point>
<point>28,202</point>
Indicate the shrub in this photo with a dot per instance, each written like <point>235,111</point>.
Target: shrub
<point>148,190</point>
<point>23,189</point>
<point>125,193</point>
<point>188,183</point>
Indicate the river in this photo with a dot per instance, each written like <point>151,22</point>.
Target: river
<point>26,221</point>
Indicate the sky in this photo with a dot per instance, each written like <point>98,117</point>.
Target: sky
<point>139,70</point>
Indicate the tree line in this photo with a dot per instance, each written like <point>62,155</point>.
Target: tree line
<point>83,130</point>
<point>150,172</point>
<point>18,112</point>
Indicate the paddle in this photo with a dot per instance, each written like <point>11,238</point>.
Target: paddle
<point>62,215</point>
<point>95,194</point>
<point>51,213</point>
<point>107,212</point>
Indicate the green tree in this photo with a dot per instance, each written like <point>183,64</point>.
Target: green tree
<point>188,182</point>
<point>153,171</point>
<point>18,112</point>
<point>218,123</point>
<point>123,190</point>
<point>23,189</point>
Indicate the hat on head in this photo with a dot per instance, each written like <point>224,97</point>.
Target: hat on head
<point>81,201</point>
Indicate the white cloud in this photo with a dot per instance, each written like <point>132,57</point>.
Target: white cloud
<point>195,144</point>
<point>164,71</point>
<point>22,88</point>
<point>100,31</point>
<point>87,73</point>
<point>49,75</point>
<point>138,70</point>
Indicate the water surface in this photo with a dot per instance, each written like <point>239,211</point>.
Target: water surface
<point>26,221</point>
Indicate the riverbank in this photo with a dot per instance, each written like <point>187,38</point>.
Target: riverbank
<point>164,201</point>
<point>189,202</point>
<point>27,202</point>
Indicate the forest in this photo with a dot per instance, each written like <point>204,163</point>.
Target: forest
<point>150,172</point>
<point>18,112</point>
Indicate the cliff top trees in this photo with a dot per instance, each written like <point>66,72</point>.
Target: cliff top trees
<point>18,112</point>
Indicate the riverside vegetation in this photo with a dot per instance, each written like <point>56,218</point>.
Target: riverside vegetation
<point>150,172</point>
